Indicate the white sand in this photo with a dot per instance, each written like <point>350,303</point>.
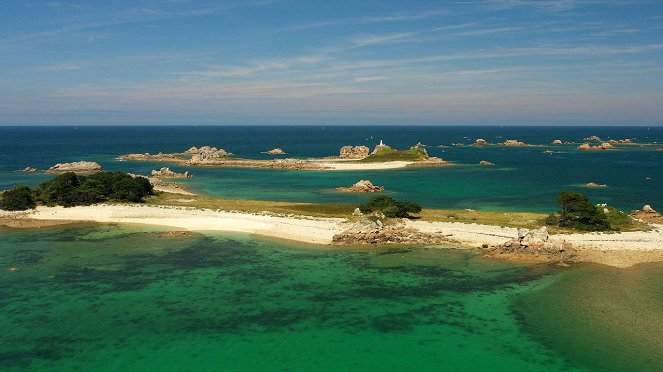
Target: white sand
<point>318,230</point>
<point>345,166</point>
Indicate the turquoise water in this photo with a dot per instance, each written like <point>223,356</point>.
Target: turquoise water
<point>105,297</point>
<point>522,179</point>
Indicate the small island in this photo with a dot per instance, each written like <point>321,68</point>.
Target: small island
<point>350,158</point>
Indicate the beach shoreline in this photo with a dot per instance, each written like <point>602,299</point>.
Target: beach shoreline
<point>615,249</point>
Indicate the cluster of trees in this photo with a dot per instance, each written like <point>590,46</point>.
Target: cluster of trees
<point>390,207</point>
<point>578,213</point>
<point>70,189</point>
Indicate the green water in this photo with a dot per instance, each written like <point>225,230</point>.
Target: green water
<point>105,297</point>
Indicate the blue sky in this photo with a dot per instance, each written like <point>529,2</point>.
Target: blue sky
<point>566,62</point>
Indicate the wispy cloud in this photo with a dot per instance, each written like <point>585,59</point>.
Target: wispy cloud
<point>368,79</point>
<point>385,18</point>
<point>136,15</point>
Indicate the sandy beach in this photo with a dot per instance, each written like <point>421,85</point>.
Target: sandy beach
<point>616,249</point>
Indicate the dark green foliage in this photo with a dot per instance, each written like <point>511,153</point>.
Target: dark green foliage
<point>578,213</point>
<point>617,219</point>
<point>551,220</point>
<point>390,207</point>
<point>17,199</point>
<point>70,189</point>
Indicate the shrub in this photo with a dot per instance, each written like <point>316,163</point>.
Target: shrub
<point>17,199</point>
<point>70,189</point>
<point>551,220</point>
<point>390,207</point>
<point>578,213</point>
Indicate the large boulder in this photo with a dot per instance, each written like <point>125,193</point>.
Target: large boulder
<point>480,142</point>
<point>514,143</point>
<point>76,167</point>
<point>363,186</point>
<point>208,154</point>
<point>275,151</point>
<point>556,142</point>
<point>356,152</point>
<point>536,244</point>
<point>369,231</point>
<point>648,214</point>
<point>165,172</point>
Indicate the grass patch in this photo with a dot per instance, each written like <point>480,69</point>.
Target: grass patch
<point>506,219</point>
<point>389,154</point>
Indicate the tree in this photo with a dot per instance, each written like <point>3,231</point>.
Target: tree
<point>390,207</point>
<point>70,189</point>
<point>577,212</point>
<point>17,199</point>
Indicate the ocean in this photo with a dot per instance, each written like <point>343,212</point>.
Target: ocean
<point>110,297</point>
<point>523,179</point>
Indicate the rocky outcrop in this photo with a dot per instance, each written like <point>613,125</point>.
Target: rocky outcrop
<point>76,167</point>
<point>648,214</point>
<point>419,145</point>
<point>363,186</point>
<point>208,154</point>
<point>374,232</point>
<point>556,142</point>
<point>535,244</point>
<point>592,138</point>
<point>357,212</point>
<point>485,162</point>
<point>165,172</point>
<point>353,152</point>
<point>601,146</point>
<point>191,151</point>
<point>480,142</point>
<point>626,141</point>
<point>29,169</point>
<point>592,184</point>
<point>276,151</point>
<point>513,143</point>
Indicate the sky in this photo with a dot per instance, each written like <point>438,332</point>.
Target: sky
<point>473,62</point>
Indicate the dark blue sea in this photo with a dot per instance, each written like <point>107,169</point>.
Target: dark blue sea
<point>522,178</point>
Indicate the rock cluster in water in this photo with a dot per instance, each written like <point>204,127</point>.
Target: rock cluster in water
<point>601,146</point>
<point>592,184</point>
<point>592,138</point>
<point>626,141</point>
<point>76,167</point>
<point>373,232</point>
<point>29,169</point>
<point>165,172</point>
<point>535,244</point>
<point>486,162</point>
<point>276,151</point>
<point>513,143</point>
<point>363,186</point>
<point>480,142</point>
<point>556,142</point>
<point>353,152</point>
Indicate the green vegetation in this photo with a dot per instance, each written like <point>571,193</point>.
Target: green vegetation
<point>17,199</point>
<point>70,189</point>
<point>389,154</point>
<point>390,207</point>
<point>578,213</point>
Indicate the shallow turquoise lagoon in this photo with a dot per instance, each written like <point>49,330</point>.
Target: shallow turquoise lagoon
<point>108,297</point>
